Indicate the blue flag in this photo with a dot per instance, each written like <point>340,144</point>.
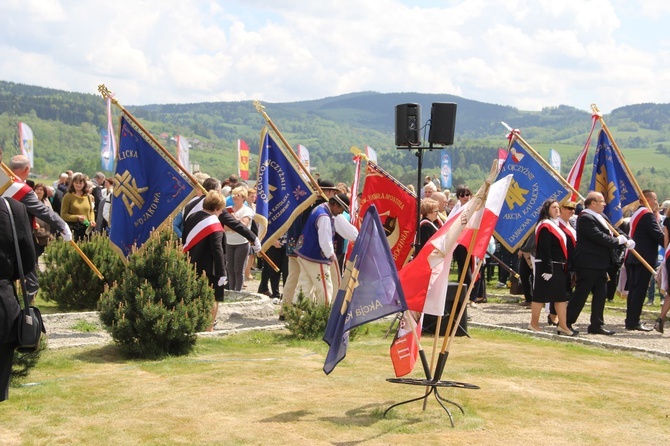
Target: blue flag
<point>532,185</point>
<point>282,193</point>
<point>369,290</point>
<point>611,179</point>
<point>148,188</point>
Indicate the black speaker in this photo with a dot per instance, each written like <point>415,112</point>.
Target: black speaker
<point>442,123</point>
<point>407,124</point>
<point>430,322</point>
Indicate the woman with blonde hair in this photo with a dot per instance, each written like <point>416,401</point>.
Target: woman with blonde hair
<point>237,247</point>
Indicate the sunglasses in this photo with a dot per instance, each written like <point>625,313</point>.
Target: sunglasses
<point>464,195</point>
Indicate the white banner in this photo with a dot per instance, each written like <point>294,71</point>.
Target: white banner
<point>26,141</point>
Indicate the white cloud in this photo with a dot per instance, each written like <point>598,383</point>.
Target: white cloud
<point>521,52</point>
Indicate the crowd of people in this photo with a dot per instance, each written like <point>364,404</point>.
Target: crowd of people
<point>574,251</point>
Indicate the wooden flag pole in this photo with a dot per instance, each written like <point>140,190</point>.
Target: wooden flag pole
<point>595,110</point>
<point>261,109</point>
<point>107,94</point>
<point>86,259</point>
<point>451,336</point>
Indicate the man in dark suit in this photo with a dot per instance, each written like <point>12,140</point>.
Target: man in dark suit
<point>9,272</point>
<point>20,166</point>
<point>592,257</point>
<point>648,236</point>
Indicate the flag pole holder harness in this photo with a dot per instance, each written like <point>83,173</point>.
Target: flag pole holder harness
<point>433,384</point>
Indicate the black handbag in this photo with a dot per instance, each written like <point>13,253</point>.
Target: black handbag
<point>30,324</point>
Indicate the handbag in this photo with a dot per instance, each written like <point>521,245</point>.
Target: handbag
<point>42,236</point>
<point>30,324</point>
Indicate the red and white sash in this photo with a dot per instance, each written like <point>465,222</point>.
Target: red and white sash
<point>17,190</point>
<point>552,227</point>
<point>569,231</point>
<point>635,219</point>
<point>207,226</point>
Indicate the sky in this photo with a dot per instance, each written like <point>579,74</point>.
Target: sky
<point>528,54</point>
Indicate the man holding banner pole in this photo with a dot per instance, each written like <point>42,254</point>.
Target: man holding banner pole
<point>19,167</point>
<point>648,236</point>
<point>592,257</point>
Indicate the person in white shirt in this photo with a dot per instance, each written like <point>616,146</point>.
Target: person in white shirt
<point>315,248</point>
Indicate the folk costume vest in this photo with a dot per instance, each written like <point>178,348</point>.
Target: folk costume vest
<point>307,245</point>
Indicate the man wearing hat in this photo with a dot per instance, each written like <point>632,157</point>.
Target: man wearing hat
<point>315,248</point>
<point>292,235</point>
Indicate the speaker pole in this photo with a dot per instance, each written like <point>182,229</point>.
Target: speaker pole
<point>417,235</point>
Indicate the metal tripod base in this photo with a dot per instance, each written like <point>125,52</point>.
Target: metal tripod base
<point>433,390</point>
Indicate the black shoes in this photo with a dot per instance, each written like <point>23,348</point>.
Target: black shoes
<point>600,331</point>
<point>550,321</point>
<point>639,327</point>
<point>559,331</point>
<point>658,326</point>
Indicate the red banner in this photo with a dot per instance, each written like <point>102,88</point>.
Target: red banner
<point>243,159</point>
<point>397,210</point>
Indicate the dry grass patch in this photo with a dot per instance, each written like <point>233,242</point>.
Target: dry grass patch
<point>265,389</point>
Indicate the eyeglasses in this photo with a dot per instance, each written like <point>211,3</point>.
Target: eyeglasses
<point>464,195</point>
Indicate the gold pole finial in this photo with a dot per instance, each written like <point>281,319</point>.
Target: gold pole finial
<point>104,91</point>
<point>594,109</point>
<point>107,94</point>
<point>357,152</point>
<point>258,106</point>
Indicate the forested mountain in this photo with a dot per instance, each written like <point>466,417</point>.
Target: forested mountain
<point>66,127</point>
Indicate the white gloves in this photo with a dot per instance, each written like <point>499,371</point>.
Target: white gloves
<point>630,244</point>
<point>546,276</point>
<point>67,234</point>
<point>622,239</point>
<point>222,281</point>
<point>257,246</point>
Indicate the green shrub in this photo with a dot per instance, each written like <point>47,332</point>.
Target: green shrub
<point>306,319</point>
<point>69,281</point>
<point>160,304</point>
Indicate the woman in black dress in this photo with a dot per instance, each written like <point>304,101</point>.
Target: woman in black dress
<point>550,268</point>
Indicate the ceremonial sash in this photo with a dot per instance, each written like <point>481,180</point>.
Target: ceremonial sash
<point>569,231</point>
<point>197,207</point>
<point>207,226</point>
<point>552,227</point>
<point>17,190</point>
<point>635,219</point>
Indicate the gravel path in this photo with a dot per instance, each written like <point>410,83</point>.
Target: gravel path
<point>513,317</point>
<point>250,311</point>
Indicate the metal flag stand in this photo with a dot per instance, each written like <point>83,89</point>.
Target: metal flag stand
<point>432,384</point>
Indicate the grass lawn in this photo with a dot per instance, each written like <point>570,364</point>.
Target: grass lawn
<point>264,388</point>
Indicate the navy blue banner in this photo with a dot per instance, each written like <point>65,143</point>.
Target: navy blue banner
<point>611,179</point>
<point>148,188</point>
<point>532,184</point>
<point>282,192</point>
<point>369,290</point>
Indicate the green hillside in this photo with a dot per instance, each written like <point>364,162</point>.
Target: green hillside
<point>66,127</point>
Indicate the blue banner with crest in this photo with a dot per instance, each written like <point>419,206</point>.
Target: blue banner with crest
<point>531,185</point>
<point>148,188</point>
